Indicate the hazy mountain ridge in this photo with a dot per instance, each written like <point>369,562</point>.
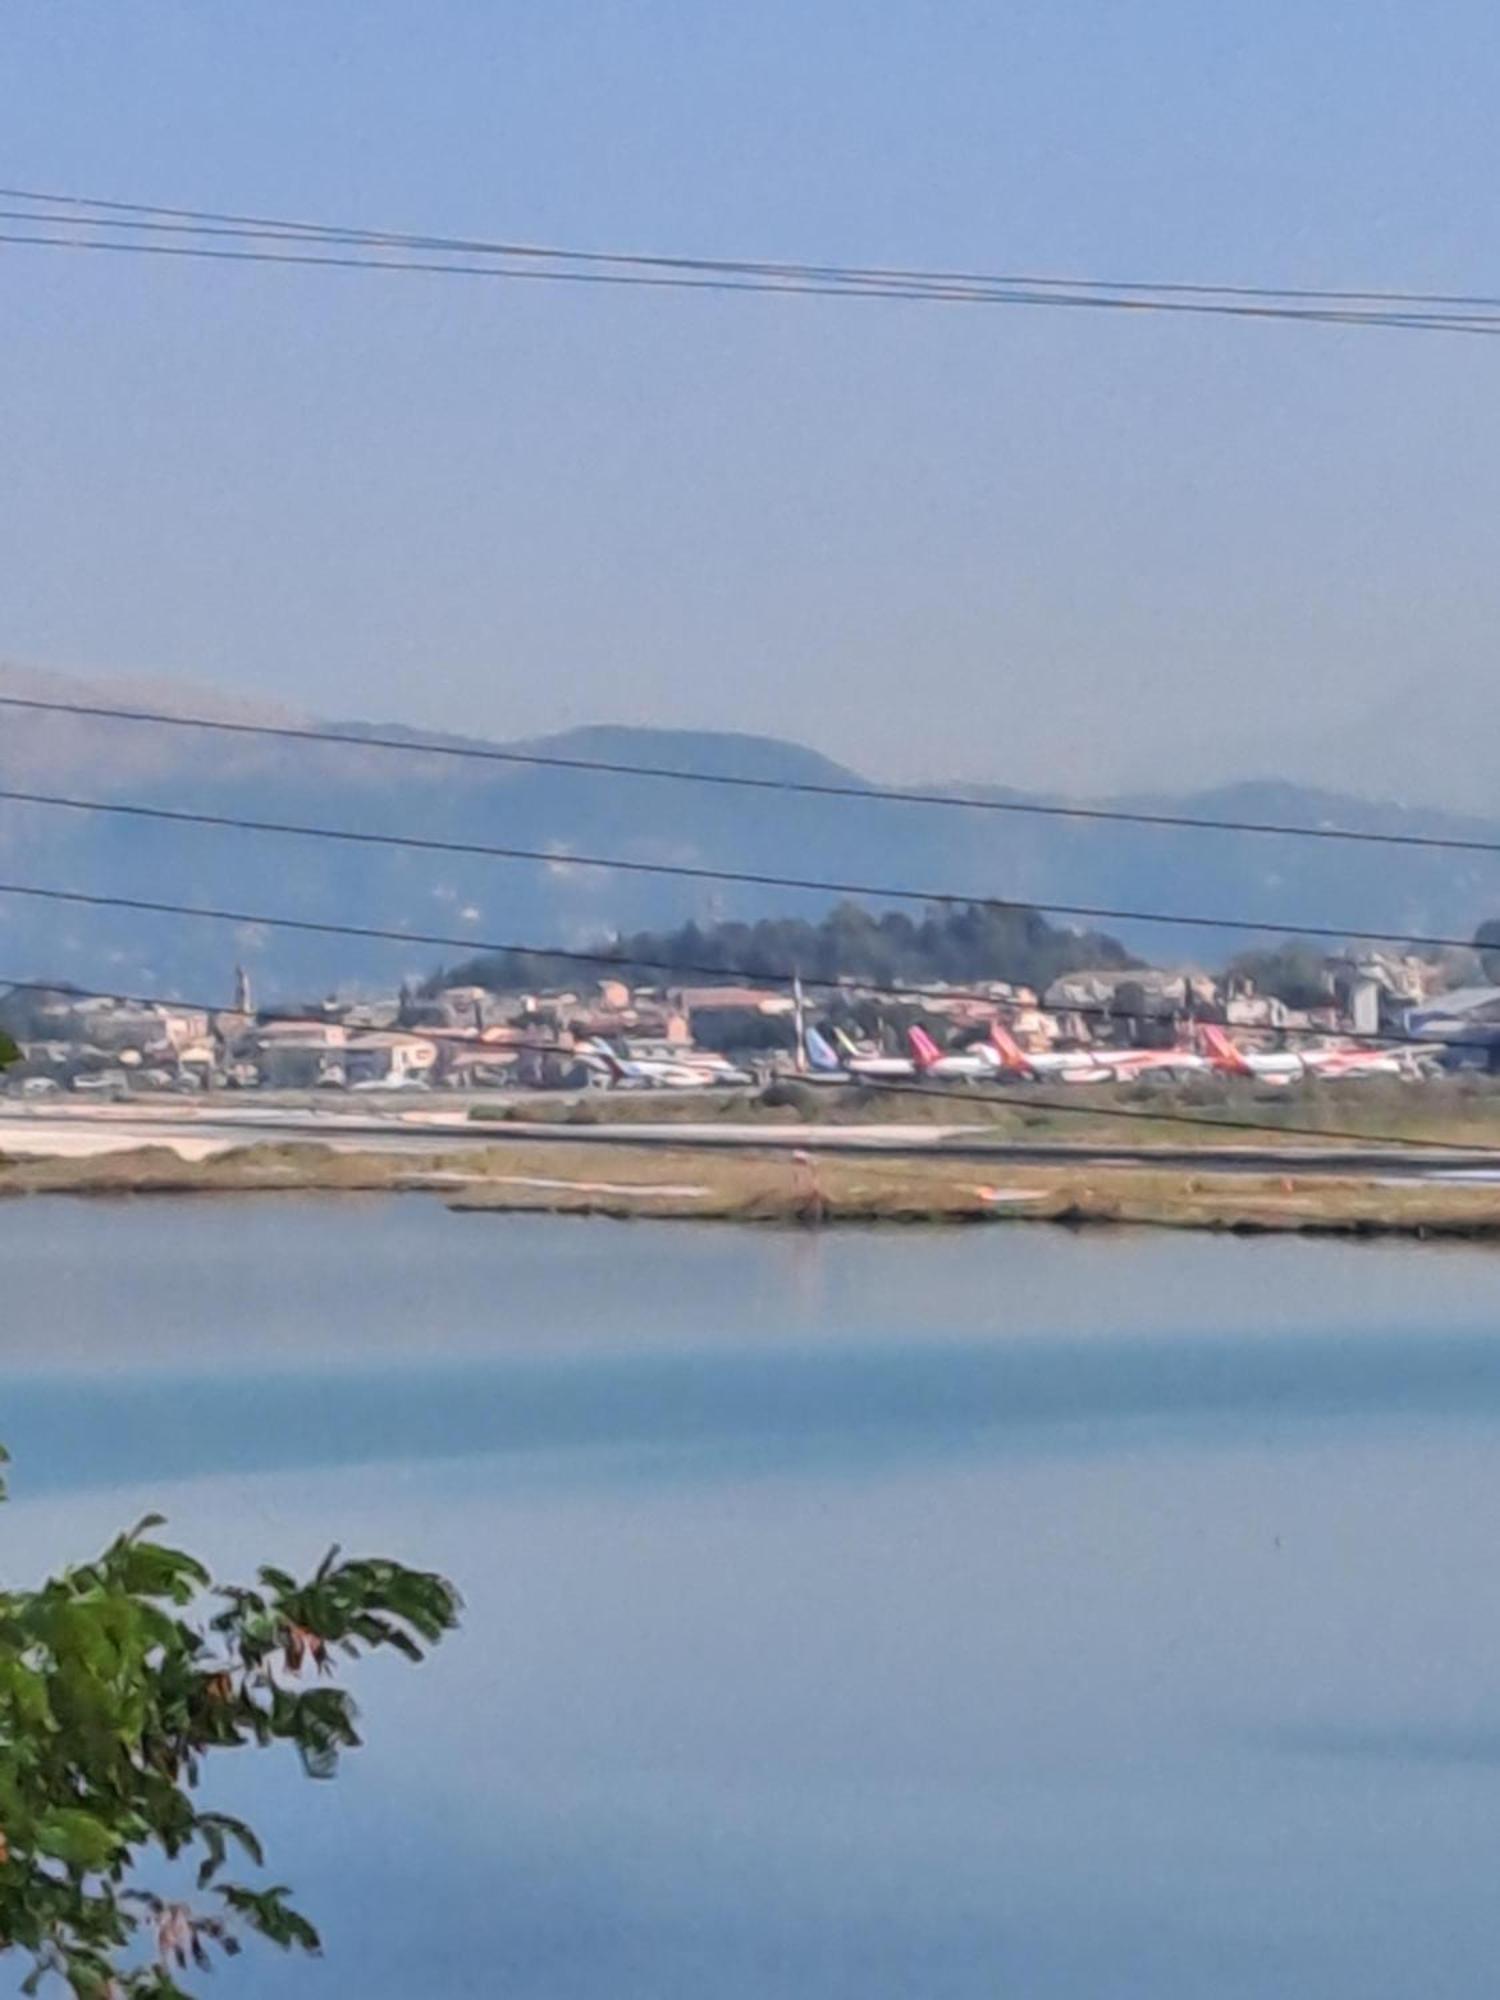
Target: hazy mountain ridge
<point>880,841</point>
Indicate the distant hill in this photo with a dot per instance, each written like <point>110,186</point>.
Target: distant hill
<point>1358,889</point>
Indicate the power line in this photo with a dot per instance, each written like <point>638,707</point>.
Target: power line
<point>672,281</point>
<point>716,275</point>
<point>183,816</point>
<point>1410,321</point>
<point>471,946</point>
<point>804,787</point>
<point>148,215</point>
<point>885,1087</point>
<point>477,947</point>
<point>1206,1122</point>
<point>1075,1009</point>
<point>1397,1144</point>
<point>425,843</point>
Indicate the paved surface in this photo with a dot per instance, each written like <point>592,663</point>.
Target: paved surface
<point>83,1131</point>
<point>78,1135</point>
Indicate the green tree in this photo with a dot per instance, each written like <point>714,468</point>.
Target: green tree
<point>118,1680</point>
<point>956,943</point>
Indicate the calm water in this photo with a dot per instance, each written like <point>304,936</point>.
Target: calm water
<point>879,1617</point>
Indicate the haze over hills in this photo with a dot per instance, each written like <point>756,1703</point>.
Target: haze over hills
<point>1357,890</point>
<point>1426,743</point>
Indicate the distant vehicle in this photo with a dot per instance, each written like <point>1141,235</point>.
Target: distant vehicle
<point>39,1086</point>
<point>1045,1066</point>
<point>402,1082</point>
<point>497,1076</point>
<point>101,1083</point>
<point>1229,1059</point>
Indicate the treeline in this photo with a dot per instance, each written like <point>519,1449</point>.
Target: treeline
<point>953,944</point>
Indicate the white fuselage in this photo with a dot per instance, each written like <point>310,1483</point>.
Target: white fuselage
<point>1126,1064</point>
<point>705,1072</point>
<point>878,1066</point>
<point>1055,1066</point>
<point>1335,1063</point>
<point>1264,1065</point>
<point>963,1066</point>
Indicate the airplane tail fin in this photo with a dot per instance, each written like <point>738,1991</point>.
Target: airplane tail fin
<point>1221,1051</point>
<point>1012,1055</point>
<point>925,1051</point>
<point>821,1059</point>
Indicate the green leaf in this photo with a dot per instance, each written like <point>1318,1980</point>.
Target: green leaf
<point>118,1678</point>
<point>76,1838</point>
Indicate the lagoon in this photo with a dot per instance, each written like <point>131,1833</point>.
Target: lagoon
<point>862,1614</point>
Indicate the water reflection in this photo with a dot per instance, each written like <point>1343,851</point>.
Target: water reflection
<point>863,1617</point>
<point>738,1413</point>
<point>1413,1743</point>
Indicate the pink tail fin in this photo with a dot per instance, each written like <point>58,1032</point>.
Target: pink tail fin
<point>925,1051</point>
<point>1221,1050</point>
<point>1012,1055</point>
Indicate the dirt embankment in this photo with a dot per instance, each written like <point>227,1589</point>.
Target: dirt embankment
<point>687,1183</point>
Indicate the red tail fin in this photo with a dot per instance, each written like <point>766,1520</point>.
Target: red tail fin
<point>925,1051</point>
<point>1222,1052</point>
<point>1012,1055</point>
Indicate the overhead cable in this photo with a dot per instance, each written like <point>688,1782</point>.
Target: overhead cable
<point>479,947</point>
<point>1483,324</point>
<point>692,871</point>
<point>103,212</point>
<point>1028,1101</point>
<point>484,753</point>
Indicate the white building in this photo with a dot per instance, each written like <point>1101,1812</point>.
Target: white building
<point>389,1056</point>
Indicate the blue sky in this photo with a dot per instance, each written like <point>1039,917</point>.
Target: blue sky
<point>1052,548</point>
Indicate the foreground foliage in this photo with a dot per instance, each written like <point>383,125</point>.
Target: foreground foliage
<point>117,1681</point>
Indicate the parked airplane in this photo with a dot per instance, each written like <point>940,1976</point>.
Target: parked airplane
<point>1049,1066</point>
<point>848,1063</point>
<point>960,1065</point>
<point>699,1072</point>
<point>1127,1065</point>
<point>865,1063</point>
<point>1229,1059</point>
<point>821,1058</point>
<point>1336,1061</point>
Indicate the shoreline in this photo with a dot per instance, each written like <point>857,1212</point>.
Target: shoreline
<point>777,1188</point>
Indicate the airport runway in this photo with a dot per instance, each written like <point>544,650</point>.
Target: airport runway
<point>66,1132</point>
